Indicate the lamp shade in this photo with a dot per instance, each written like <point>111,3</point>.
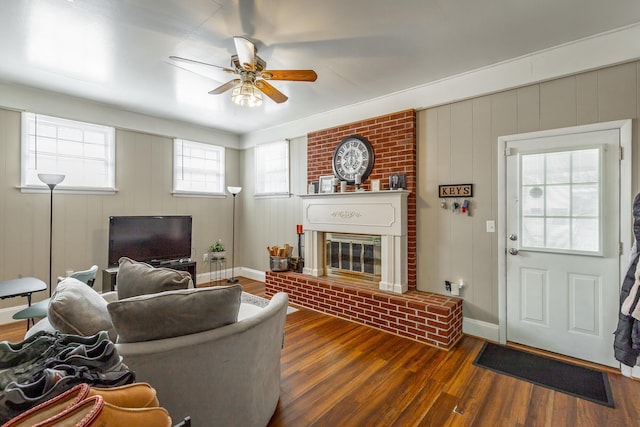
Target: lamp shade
<point>234,190</point>
<point>51,179</point>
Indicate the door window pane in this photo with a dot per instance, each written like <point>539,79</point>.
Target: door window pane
<point>533,232</point>
<point>558,167</point>
<point>560,200</point>
<point>586,166</point>
<point>557,233</point>
<point>533,200</point>
<point>584,200</point>
<point>584,232</point>
<point>533,169</point>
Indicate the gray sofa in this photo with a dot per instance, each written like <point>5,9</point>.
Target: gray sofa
<point>225,376</point>
<point>228,376</point>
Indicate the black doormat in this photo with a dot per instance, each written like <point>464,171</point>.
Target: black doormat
<point>567,378</point>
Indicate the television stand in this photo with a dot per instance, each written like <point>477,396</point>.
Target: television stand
<point>109,274</point>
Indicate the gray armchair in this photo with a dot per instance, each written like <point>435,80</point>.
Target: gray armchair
<point>227,376</point>
<point>86,276</point>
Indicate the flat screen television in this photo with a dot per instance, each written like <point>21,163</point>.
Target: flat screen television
<point>150,239</point>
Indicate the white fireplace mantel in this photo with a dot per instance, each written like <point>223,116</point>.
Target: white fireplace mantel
<point>382,213</point>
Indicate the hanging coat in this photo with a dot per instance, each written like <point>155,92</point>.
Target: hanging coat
<point>626,342</point>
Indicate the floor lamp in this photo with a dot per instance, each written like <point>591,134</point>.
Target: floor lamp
<point>51,179</point>
<point>234,191</point>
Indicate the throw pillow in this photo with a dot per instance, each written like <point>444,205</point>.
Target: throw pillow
<point>174,313</point>
<point>75,308</point>
<point>138,278</point>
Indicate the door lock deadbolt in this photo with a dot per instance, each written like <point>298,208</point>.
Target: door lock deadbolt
<point>513,237</point>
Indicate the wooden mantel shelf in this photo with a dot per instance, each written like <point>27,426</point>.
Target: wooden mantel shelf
<point>348,194</point>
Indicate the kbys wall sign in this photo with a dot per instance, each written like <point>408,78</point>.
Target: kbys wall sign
<point>455,190</point>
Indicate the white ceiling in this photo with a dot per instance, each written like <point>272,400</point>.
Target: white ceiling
<point>116,51</point>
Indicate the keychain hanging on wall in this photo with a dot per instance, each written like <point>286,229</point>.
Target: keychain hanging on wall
<point>456,191</point>
<point>465,207</point>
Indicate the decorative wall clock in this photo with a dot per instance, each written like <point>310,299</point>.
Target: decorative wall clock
<point>352,158</point>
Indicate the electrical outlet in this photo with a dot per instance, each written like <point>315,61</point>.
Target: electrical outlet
<point>447,285</point>
<point>205,257</point>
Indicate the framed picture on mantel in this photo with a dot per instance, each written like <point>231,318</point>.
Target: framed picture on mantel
<point>326,184</point>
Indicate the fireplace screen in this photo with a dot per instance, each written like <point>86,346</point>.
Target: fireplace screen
<point>353,255</point>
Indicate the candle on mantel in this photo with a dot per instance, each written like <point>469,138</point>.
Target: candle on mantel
<point>358,179</point>
<point>299,228</point>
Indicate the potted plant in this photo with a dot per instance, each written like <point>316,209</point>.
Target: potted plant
<point>217,250</point>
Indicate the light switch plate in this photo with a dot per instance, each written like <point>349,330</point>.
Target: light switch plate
<point>491,226</point>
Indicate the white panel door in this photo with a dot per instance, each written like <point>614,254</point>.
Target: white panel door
<point>562,226</point>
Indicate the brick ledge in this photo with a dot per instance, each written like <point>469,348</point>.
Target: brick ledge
<point>426,317</point>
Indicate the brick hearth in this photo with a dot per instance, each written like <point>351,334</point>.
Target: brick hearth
<point>430,318</point>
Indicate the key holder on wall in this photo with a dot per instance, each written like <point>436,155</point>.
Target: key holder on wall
<point>457,192</point>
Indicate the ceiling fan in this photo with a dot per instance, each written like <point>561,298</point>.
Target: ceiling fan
<point>251,83</point>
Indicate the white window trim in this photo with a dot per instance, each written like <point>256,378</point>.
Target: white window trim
<point>275,194</point>
<point>191,193</point>
<point>272,195</point>
<point>38,187</point>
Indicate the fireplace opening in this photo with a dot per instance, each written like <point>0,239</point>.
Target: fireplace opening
<point>356,256</point>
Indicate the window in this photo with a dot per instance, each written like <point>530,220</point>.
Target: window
<point>561,199</point>
<point>83,152</point>
<point>198,168</point>
<point>272,168</point>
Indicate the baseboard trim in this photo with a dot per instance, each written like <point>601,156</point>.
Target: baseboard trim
<point>249,273</point>
<point>6,314</point>
<point>202,278</point>
<point>480,329</point>
<point>252,274</point>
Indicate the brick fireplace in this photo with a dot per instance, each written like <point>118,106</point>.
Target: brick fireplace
<point>393,138</point>
<point>393,304</point>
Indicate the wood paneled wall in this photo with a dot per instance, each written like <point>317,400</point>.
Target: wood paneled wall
<point>269,221</point>
<point>457,143</point>
<point>80,230</point>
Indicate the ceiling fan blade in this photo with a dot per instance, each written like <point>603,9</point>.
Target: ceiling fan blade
<point>225,87</point>
<point>193,61</point>
<point>293,75</point>
<point>246,53</point>
<point>271,91</point>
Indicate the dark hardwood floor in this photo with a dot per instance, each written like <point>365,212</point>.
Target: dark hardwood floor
<point>338,373</point>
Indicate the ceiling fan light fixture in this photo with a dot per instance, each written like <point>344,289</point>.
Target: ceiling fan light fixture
<point>250,83</point>
<point>246,95</point>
